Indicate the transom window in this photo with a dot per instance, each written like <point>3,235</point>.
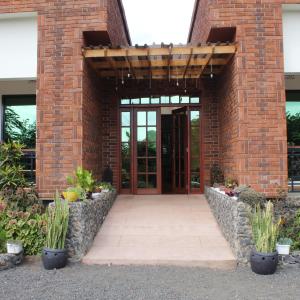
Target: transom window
<point>162,100</point>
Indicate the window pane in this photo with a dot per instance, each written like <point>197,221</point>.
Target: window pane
<point>141,118</point>
<point>195,115</point>
<point>141,149</point>
<point>125,134</point>
<point>142,181</point>
<point>141,165</point>
<point>125,101</point>
<point>175,99</point>
<point>195,100</point>
<point>145,100</point>
<point>151,134</point>
<point>293,122</point>
<point>165,100</point>
<point>125,150</point>
<point>195,180</point>
<point>152,149</point>
<point>185,99</point>
<point>125,118</point>
<point>152,165</point>
<point>135,101</point>
<point>152,118</point>
<point>155,101</point>
<point>20,121</point>
<point>152,182</point>
<point>141,132</point>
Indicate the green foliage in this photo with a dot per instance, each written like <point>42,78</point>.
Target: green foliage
<point>11,171</point>
<point>58,219</point>
<point>285,241</point>
<point>19,131</point>
<point>28,227</point>
<point>105,186</point>
<point>264,228</point>
<point>293,125</point>
<point>216,175</point>
<point>24,199</point>
<point>82,179</point>
<point>3,240</point>
<point>248,195</point>
<point>291,230</point>
<point>79,191</point>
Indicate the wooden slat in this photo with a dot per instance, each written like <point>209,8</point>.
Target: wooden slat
<point>138,64</point>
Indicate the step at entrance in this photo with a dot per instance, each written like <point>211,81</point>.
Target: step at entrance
<point>161,230</point>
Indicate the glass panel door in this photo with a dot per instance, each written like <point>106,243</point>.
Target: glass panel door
<point>147,151</point>
<point>180,150</point>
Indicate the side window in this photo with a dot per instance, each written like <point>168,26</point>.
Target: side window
<point>19,120</point>
<point>293,117</point>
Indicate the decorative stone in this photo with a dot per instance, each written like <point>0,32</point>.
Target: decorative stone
<point>85,220</point>
<point>8,261</point>
<point>233,219</point>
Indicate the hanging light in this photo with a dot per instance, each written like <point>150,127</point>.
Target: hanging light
<point>185,90</point>
<point>177,82</point>
<point>211,70</point>
<point>123,77</point>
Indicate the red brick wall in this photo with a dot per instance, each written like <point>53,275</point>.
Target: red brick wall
<point>251,93</point>
<point>67,106</point>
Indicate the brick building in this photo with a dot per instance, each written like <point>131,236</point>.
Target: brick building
<point>236,118</point>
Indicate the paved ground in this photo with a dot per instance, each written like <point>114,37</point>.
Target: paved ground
<point>161,230</point>
<point>146,283</point>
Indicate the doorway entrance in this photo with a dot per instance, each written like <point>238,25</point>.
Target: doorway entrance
<point>160,148</point>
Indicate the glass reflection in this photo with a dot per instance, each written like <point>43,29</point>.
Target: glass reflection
<point>152,181</point>
<point>151,134</point>
<point>142,181</point>
<point>141,147</point>
<point>141,165</point>
<point>125,118</point>
<point>145,100</point>
<point>141,134</point>
<point>152,118</point>
<point>141,118</point>
<point>125,134</point>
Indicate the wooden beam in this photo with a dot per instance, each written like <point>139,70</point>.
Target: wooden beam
<point>188,63</point>
<point>203,50</point>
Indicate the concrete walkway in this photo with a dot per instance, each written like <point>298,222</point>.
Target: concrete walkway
<point>161,230</point>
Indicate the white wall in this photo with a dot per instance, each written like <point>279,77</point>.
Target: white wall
<point>18,46</point>
<point>291,38</point>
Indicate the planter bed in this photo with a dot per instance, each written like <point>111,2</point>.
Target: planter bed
<point>86,218</point>
<point>232,217</point>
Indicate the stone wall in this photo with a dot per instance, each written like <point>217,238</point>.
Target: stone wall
<point>86,218</point>
<point>287,208</point>
<point>232,217</point>
<point>8,261</point>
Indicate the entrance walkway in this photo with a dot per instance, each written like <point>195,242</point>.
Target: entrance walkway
<point>161,230</point>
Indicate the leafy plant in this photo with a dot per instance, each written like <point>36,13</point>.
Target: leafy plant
<point>79,191</point>
<point>82,179</point>
<point>216,175</point>
<point>231,183</point>
<point>291,229</point>
<point>2,240</point>
<point>264,228</point>
<point>249,196</point>
<point>11,171</point>
<point>58,219</point>
<point>285,241</point>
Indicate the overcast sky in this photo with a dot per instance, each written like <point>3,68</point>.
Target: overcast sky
<point>158,21</point>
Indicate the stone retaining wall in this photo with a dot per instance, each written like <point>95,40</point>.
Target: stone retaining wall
<point>85,220</point>
<point>8,261</point>
<point>232,217</point>
<point>288,207</point>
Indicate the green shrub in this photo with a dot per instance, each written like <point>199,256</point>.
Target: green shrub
<point>28,227</point>
<point>58,219</point>
<point>264,228</point>
<point>3,240</point>
<point>249,196</point>
<point>291,230</point>
<point>82,179</point>
<point>105,186</point>
<point>11,171</point>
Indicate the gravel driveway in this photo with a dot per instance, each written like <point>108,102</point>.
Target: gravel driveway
<point>104,282</point>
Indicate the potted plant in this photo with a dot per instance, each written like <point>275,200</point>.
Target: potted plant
<point>73,194</point>
<point>264,258</point>
<point>105,187</point>
<point>54,255</point>
<point>283,246</point>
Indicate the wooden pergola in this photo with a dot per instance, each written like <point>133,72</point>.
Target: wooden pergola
<point>159,62</point>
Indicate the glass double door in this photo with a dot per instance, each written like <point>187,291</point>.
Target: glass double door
<point>140,151</point>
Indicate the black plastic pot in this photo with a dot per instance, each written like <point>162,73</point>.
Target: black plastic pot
<point>54,258</point>
<point>263,263</point>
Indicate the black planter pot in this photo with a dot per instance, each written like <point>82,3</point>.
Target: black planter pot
<point>54,258</point>
<point>263,263</point>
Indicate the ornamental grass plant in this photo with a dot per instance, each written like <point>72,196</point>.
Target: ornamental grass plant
<point>58,219</point>
<point>265,229</point>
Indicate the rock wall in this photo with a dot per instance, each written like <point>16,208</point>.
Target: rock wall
<point>85,220</point>
<point>8,261</point>
<point>287,208</point>
<point>232,217</point>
